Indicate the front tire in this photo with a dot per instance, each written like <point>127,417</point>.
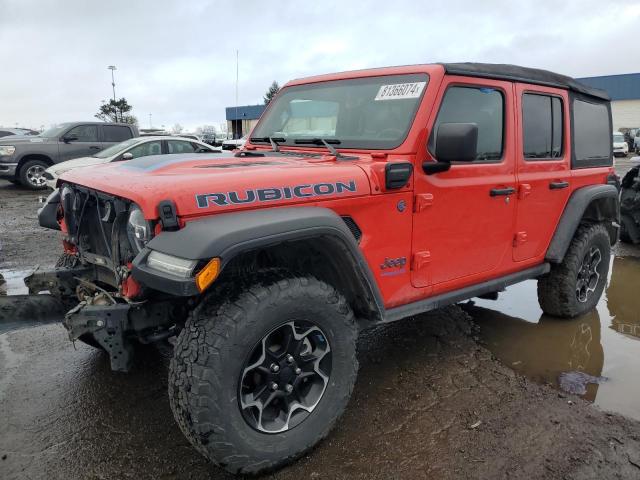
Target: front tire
<point>234,390</point>
<point>32,174</point>
<point>574,286</point>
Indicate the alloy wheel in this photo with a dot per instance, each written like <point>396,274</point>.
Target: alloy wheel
<point>285,377</point>
<point>588,275</point>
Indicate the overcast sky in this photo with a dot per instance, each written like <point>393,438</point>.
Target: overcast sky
<point>177,59</point>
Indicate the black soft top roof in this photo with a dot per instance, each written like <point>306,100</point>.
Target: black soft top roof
<point>501,71</point>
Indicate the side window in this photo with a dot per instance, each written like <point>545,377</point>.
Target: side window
<point>116,134</point>
<point>482,106</point>
<point>5,134</point>
<point>591,134</point>
<point>84,133</point>
<point>542,126</point>
<point>146,149</point>
<point>196,147</point>
<point>177,146</point>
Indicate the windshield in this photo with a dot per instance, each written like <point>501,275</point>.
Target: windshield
<point>55,130</point>
<point>371,112</point>
<point>618,138</point>
<point>117,148</point>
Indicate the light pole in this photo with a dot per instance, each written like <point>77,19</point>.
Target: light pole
<point>113,85</point>
<point>150,124</point>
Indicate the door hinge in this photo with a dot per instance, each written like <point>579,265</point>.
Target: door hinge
<point>420,260</point>
<point>423,201</point>
<point>519,239</point>
<point>524,191</point>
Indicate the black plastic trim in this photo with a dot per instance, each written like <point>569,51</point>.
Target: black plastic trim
<point>573,214</point>
<point>449,298</point>
<point>230,234</point>
<point>48,214</point>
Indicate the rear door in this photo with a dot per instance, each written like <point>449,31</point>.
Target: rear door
<point>464,217</point>
<point>543,167</point>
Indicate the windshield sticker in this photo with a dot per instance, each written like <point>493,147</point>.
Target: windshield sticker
<point>400,91</point>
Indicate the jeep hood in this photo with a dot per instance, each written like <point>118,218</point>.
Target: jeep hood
<point>218,184</point>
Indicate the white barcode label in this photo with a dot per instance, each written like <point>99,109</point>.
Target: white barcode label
<point>400,91</point>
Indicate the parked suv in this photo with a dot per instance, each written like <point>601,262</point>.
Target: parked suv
<point>23,160</point>
<point>431,184</point>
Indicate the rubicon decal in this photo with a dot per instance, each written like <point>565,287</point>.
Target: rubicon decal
<point>306,190</point>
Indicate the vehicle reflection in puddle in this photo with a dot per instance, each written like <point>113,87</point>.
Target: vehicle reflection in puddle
<point>596,355</point>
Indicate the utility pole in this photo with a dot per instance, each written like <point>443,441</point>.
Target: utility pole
<point>113,85</point>
<point>237,134</point>
<point>150,125</point>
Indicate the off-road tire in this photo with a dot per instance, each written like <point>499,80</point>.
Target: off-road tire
<point>24,171</point>
<point>557,289</point>
<point>213,348</point>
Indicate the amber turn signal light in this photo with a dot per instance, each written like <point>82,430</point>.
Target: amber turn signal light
<point>208,274</point>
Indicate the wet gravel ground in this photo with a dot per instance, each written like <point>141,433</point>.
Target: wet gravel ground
<point>430,402</point>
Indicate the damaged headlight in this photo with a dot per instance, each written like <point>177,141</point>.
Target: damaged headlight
<point>180,267</point>
<point>138,229</point>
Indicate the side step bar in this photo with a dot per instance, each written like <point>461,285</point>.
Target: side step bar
<point>455,296</point>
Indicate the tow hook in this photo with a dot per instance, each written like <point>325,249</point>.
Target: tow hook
<point>106,322</point>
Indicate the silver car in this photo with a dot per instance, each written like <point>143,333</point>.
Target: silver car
<point>127,150</point>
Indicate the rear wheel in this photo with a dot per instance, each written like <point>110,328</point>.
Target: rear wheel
<point>32,174</point>
<point>575,286</point>
<point>259,379</point>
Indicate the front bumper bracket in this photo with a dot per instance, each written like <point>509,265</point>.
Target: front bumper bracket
<point>107,325</point>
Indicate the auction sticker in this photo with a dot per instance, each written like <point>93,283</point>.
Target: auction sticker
<point>400,91</point>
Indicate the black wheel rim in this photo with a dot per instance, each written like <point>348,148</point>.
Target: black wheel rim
<point>588,275</point>
<point>285,377</point>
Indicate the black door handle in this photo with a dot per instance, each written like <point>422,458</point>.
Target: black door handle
<point>558,185</point>
<point>94,147</point>
<point>494,192</point>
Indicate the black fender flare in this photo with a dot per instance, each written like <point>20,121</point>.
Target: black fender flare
<point>595,203</point>
<point>228,235</point>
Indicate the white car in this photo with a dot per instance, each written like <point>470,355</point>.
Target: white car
<point>235,143</point>
<point>127,150</point>
<point>620,147</point>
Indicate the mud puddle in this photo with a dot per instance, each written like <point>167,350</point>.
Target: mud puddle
<point>20,310</point>
<point>12,282</point>
<point>596,356</point>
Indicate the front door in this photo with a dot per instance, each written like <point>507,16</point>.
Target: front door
<point>543,171</point>
<point>86,142</point>
<point>464,217</point>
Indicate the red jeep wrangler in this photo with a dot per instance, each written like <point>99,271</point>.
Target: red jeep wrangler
<point>361,198</point>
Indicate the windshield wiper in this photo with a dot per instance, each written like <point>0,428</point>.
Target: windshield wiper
<point>272,140</point>
<point>321,141</point>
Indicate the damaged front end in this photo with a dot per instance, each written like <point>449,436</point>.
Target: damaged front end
<point>109,309</point>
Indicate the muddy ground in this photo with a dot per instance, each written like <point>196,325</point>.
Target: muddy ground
<point>430,402</point>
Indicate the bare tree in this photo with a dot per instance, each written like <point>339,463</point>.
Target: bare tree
<point>177,129</point>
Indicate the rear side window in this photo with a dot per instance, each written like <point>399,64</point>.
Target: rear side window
<point>4,133</point>
<point>542,126</point>
<point>591,134</point>
<point>482,106</point>
<point>176,146</point>
<point>116,134</point>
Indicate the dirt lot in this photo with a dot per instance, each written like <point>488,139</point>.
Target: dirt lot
<point>430,402</point>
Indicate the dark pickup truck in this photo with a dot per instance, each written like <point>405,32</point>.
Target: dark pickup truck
<point>24,159</point>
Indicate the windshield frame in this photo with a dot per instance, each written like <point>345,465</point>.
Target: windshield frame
<point>345,143</point>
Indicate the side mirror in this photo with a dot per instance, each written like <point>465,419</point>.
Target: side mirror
<point>127,156</point>
<point>202,150</point>
<point>69,138</point>
<point>457,142</point>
